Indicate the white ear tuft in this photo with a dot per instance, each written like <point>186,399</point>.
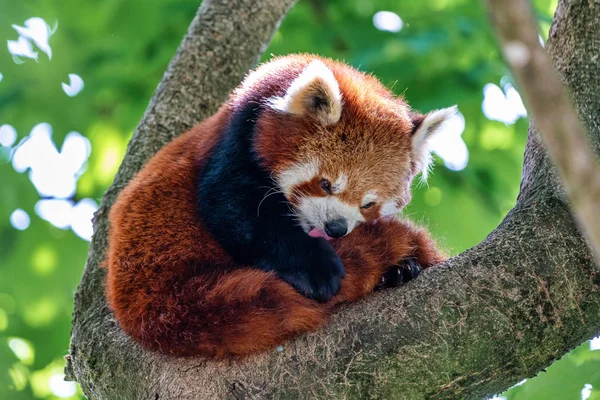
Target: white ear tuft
<point>314,92</point>
<point>426,127</point>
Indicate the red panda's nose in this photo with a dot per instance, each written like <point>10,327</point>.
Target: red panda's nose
<point>336,228</point>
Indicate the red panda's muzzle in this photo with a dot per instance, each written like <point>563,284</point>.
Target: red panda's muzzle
<point>336,228</point>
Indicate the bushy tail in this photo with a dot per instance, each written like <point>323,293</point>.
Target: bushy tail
<point>182,311</point>
<point>242,312</point>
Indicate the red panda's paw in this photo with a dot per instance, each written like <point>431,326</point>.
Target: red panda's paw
<point>423,254</point>
<point>400,274</point>
<point>316,272</point>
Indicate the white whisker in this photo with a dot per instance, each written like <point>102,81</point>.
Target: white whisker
<point>268,193</point>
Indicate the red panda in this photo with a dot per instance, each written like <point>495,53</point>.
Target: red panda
<point>251,227</point>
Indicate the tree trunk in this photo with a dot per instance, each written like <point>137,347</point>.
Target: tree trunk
<point>468,328</point>
<point>559,125</point>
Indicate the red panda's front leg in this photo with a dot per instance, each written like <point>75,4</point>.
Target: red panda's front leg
<point>426,254</point>
<point>383,253</point>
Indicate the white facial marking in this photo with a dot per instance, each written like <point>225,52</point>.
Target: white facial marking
<point>296,174</point>
<point>316,80</point>
<point>389,208</point>
<point>340,184</point>
<point>432,124</point>
<point>316,211</point>
<point>369,197</point>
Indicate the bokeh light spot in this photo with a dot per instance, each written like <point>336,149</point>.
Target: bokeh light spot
<point>387,21</point>
<point>32,150</point>
<point>85,184</point>
<point>61,388</point>
<point>108,162</point>
<point>595,343</point>
<point>81,218</point>
<point>35,30</point>
<point>496,136</point>
<point>449,144</point>
<point>18,376</point>
<point>586,392</point>
<point>64,214</point>
<point>44,260</point>
<point>112,147</point>
<point>22,349</point>
<point>21,48</point>
<point>504,106</point>
<point>8,135</point>
<point>54,174</point>
<point>55,211</point>
<point>19,219</point>
<point>3,320</point>
<point>433,196</point>
<point>75,151</point>
<point>74,86</point>
<point>38,380</point>
<point>41,313</point>
<point>49,381</point>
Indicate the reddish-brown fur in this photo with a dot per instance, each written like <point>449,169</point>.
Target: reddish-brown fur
<point>173,288</point>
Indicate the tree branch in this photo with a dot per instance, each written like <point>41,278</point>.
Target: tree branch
<point>469,328</point>
<point>563,133</point>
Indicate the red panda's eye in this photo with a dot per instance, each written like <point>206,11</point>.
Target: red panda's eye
<point>368,205</point>
<point>326,186</point>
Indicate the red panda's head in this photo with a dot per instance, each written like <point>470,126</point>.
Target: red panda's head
<point>339,145</point>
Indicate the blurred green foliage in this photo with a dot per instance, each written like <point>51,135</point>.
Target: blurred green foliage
<point>444,55</point>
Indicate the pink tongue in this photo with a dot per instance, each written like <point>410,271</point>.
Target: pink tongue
<point>318,233</point>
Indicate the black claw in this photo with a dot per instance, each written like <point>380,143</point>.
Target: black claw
<point>398,275</point>
<point>411,269</point>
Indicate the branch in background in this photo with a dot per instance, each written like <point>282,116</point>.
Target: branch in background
<point>564,135</point>
<point>469,328</point>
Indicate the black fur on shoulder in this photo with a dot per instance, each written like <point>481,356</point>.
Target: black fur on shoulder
<point>241,207</point>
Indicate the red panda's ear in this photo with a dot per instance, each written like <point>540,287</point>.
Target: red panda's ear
<point>315,92</point>
<point>425,127</point>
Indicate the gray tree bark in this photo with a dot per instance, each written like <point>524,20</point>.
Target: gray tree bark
<point>559,125</point>
<point>468,328</point>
